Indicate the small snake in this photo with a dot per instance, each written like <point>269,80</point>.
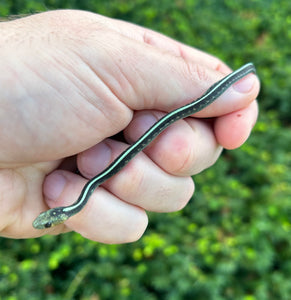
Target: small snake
<point>58,215</point>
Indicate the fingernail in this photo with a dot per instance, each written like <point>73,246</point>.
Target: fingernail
<point>95,159</point>
<point>146,121</point>
<point>245,84</point>
<point>54,185</point>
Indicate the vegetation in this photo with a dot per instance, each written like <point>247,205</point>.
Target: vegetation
<point>233,240</point>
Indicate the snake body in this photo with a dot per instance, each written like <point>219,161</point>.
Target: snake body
<point>58,215</point>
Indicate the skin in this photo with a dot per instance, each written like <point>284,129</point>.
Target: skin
<point>69,80</point>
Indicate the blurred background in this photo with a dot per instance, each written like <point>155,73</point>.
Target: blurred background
<point>233,240</point>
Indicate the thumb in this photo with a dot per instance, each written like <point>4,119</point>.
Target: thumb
<point>151,76</point>
<point>82,81</point>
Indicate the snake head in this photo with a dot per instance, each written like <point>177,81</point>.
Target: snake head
<point>50,218</point>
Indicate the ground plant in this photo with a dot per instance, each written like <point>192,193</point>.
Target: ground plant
<point>233,240</point>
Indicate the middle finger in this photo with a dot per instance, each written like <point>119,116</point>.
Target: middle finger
<point>142,182</point>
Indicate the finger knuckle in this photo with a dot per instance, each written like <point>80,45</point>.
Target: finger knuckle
<point>196,71</point>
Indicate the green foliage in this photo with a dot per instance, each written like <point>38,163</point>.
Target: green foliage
<point>233,240</point>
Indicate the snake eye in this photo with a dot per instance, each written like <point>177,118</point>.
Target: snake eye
<point>48,225</point>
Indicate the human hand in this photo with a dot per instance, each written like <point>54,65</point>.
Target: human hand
<point>70,80</point>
